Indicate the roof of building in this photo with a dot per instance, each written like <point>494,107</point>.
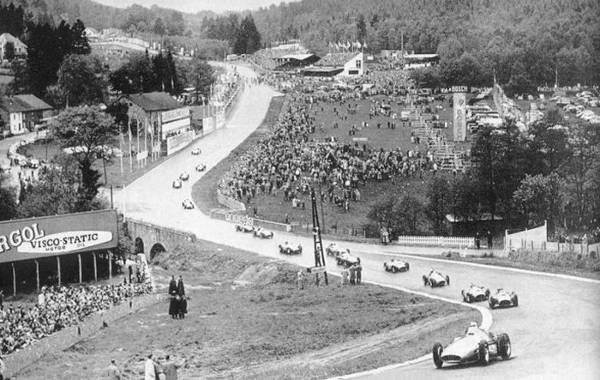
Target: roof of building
<point>154,101</point>
<point>23,103</point>
<point>10,38</point>
<point>299,57</point>
<point>484,217</point>
<point>337,59</point>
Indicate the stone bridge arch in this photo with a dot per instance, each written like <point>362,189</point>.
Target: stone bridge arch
<point>151,239</point>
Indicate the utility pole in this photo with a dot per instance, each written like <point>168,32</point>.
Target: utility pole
<point>318,243</point>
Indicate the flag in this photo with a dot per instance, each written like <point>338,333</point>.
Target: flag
<point>348,45</point>
<point>358,45</point>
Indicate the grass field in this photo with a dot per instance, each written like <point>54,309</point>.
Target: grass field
<point>248,320</point>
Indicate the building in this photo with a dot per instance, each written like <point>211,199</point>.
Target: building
<point>166,124</point>
<point>92,34</point>
<point>22,113</point>
<point>349,64</point>
<point>295,60</point>
<point>20,48</point>
<point>416,61</point>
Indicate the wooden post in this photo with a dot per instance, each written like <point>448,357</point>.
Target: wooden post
<point>79,265</point>
<point>95,267</point>
<point>37,275</point>
<point>14,278</point>
<point>58,269</point>
<point>109,264</point>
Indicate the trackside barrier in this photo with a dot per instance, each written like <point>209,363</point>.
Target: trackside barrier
<point>230,202</point>
<point>67,337</point>
<point>249,221</point>
<point>440,241</point>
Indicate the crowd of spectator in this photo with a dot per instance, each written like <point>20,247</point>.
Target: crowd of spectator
<point>290,161</point>
<point>59,307</point>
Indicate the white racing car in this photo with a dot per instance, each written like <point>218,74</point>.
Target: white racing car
<point>503,298</point>
<point>475,293</point>
<point>196,151</point>
<point>435,278</point>
<point>396,266</point>
<point>187,204</point>
<point>346,259</point>
<point>335,250</point>
<point>476,346</point>
<point>184,176</point>
<point>288,249</point>
<point>200,167</point>
<point>177,184</point>
<point>259,232</point>
<point>247,228</point>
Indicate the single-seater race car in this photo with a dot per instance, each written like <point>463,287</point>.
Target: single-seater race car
<point>396,266</point>
<point>476,346</point>
<point>434,278</point>
<point>503,298</point>
<point>475,293</point>
<point>346,259</point>
<point>177,184</point>
<point>288,249</point>
<point>187,204</point>
<point>200,167</point>
<point>184,176</point>
<point>247,228</point>
<point>196,151</point>
<point>335,250</point>
<point>259,232</point>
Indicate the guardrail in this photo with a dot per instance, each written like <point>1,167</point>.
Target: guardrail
<point>230,202</point>
<point>440,241</point>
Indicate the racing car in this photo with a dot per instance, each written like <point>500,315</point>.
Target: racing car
<point>287,249</point>
<point>244,228</point>
<point>196,151</point>
<point>335,250</point>
<point>187,204</point>
<point>184,176</point>
<point>263,234</point>
<point>396,266</point>
<point>200,167</point>
<point>475,293</point>
<point>434,278</point>
<point>503,298</point>
<point>346,259</point>
<point>177,184</point>
<point>476,346</point>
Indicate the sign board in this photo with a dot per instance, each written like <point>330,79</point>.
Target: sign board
<point>239,219</point>
<point>178,142</point>
<point>460,89</point>
<point>177,113</point>
<point>175,125</point>
<point>460,115</point>
<point>27,239</point>
<point>316,269</point>
<point>360,139</point>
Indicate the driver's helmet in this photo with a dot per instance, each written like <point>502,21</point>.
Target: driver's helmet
<point>472,329</point>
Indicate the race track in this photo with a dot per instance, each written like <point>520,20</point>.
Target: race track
<point>555,331</point>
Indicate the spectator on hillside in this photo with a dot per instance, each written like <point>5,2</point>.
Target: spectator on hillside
<point>149,369</point>
<point>113,371</point>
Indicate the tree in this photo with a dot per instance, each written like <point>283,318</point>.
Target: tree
<point>403,216</point>
<point>79,41</point>
<point>87,131</point>
<point>159,27</point>
<point>361,28</point>
<point>9,51</point>
<point>136,75</point>
<point>176,25</point>
<point>8,204</point>
<point>248,39</point>
<point>539,198</point>
<point>81,78</point>
<point>439,201</point>
<point>200,74</point>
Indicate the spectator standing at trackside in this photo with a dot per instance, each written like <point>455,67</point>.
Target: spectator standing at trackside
<point>352,271</point>
<point>173,286</point>
<point>180,287</point>
<point>113,371</point>
<point>170,369</point>
<point>477,240</point>
<point>149,371</point>
<point>345,277</point>
<point>358,272</point>
<point>2,368</point>
<point>489,240</point>
<point>300,280</point>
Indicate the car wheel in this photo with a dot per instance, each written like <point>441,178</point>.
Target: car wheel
<point>504,348</point>
<point>492,303</point>
<point>516,301</point>
<point>407,267</point>
<point>447,280</point>
<point>437,355</point>
<point>394,269</point>
<point>487,294</point>
<point>425,280</point>
<point>484,354</point>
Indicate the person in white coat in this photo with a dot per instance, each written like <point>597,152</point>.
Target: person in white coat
<point>149,372</point>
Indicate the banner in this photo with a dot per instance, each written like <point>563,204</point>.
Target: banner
<point>460,115</point>
<point>27,239</point>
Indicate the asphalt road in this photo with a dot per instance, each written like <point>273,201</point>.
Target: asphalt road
<point>555,331</point>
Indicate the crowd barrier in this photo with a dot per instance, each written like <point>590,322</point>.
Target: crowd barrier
<point>67,337</point>
<point>230,202</point>
<point>440,241</point>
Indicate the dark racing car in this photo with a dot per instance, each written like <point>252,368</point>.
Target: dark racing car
<point>475,293</point>
<point>435,278</point>
<point>476,346</point>
<point>503,298</point>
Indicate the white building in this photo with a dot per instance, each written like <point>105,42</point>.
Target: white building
<point>21,113</point>
<point>19,47</point>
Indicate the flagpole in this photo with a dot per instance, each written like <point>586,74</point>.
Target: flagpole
<point>130,150</point>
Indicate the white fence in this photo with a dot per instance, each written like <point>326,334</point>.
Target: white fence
<point>535,238</point>
<point>230,202</point>
<point>441,241</point>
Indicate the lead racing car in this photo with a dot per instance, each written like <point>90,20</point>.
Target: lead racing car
<point>247,228</point>
<point>475,293</point>
<point>503,298</point>
<point>396,266</point>
<point>476,346</point>
<point>288,249</point>
<point>259,232</point>
<point>435,278</point>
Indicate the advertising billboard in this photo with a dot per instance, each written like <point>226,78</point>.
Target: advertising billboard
<point>27,239</point>
<point>460,115</point>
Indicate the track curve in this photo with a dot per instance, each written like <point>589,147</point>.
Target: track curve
<point>555,331</point>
